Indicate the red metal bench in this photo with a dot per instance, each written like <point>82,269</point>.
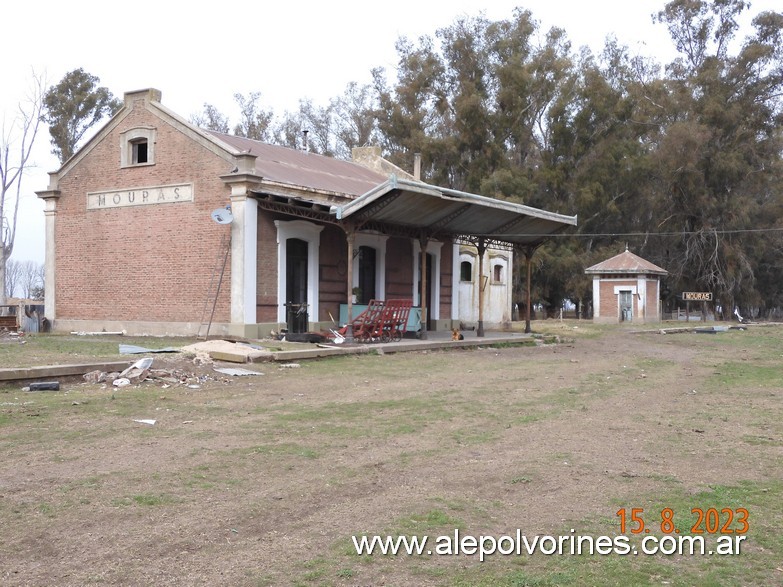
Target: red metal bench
<point>382,321</point>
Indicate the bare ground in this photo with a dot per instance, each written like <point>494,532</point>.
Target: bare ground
<point>262,480</point>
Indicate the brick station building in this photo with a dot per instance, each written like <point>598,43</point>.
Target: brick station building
<point>134,239</point>
<point>626,288</point>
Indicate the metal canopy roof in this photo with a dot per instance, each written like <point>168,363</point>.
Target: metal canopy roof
<point>422,208</point>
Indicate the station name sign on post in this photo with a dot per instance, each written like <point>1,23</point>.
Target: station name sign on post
<point>163,194</point>
<point>697,296</point>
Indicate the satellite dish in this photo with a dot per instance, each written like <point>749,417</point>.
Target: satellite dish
<point>222,216</point>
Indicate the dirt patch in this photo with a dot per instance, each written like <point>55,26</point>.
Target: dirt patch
<point>263,480</point>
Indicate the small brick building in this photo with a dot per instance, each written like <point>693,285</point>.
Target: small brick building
<point>626,288</point>
<point>131,243</point>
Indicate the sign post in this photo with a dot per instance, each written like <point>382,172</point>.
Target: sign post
<point>696,296</point>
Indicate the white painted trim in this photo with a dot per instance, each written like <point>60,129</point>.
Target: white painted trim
<point>456,274</point>
<point>596,297</point>
<point>311,233</point>
<point>50,260</point>
<point>619,288</point>
<point>244,238</point>
<point>641,285</point>
<point>434,249</point>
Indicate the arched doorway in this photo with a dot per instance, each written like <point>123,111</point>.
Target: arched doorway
<point>296,284</point>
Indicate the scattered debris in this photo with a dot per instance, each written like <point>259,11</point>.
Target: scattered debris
<point>150,422</point>
<point>138,371</point>
<point>121,382</point>
<point>289,365</point>
<point>96,376</point>
<point>130,349</point>
<point>45,386</point>
<point>236,371</point>
<point>11,336</point>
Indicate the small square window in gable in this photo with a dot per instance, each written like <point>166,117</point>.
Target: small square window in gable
<point>139,151</point>
<point>138,147</point>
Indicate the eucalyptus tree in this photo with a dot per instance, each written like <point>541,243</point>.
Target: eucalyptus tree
<point>354,119</point>
<point>719,160</point>
<point>72,107</point>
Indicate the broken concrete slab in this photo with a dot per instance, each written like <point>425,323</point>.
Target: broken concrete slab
<point>20,373</point>
<point>228,357</point>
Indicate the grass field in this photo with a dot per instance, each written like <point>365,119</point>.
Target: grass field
<point>265,480</point>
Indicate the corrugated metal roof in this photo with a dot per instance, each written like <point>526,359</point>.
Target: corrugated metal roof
<point>391,202</point>
<point>435,210</point>
<point>304,169</point>
<point>626,262</point>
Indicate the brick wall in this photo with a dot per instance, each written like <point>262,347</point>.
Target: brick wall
<point>652,300</point>
<point>609,307</point>
<point>147,263</point>
<point>266,263</point>
<point>399,268</point>
<point>332,268</point>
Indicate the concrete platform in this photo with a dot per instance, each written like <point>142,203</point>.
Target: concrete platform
<point>435,340</point>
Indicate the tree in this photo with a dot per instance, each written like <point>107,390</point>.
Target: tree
<point>719,161</point>
<point>254,121</point>
<point>16,140</point>
<point>38,292</point>
<point>74,106</point>
<point>354,119</point>
<point>30,278</point>
<point>211,119</point>
<point>13,272</point>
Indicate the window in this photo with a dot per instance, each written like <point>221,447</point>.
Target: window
<point>137,147</point>
<point>497,273</point>
<point>139,151</point>
<point>466,271</point>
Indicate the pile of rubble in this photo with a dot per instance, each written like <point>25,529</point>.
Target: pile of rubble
<point>11,336</point>
<point>142,371</point>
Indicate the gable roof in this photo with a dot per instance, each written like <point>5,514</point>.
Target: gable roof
<point>302,168</point>
<point>626,262</point>
<point>295,182</point>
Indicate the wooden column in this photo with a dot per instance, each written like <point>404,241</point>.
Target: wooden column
<point>423,286</point>
<point>482,248</point>
<point>350,236</point>
<point>528,269</point>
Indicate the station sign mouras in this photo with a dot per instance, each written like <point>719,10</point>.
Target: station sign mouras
<point>697,296</point>
<point>162,194</point>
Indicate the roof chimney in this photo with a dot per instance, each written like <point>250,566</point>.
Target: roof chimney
<point>306,145</point>
<point>417,166</point>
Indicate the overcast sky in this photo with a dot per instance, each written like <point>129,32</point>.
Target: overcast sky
<point>206,52</point>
